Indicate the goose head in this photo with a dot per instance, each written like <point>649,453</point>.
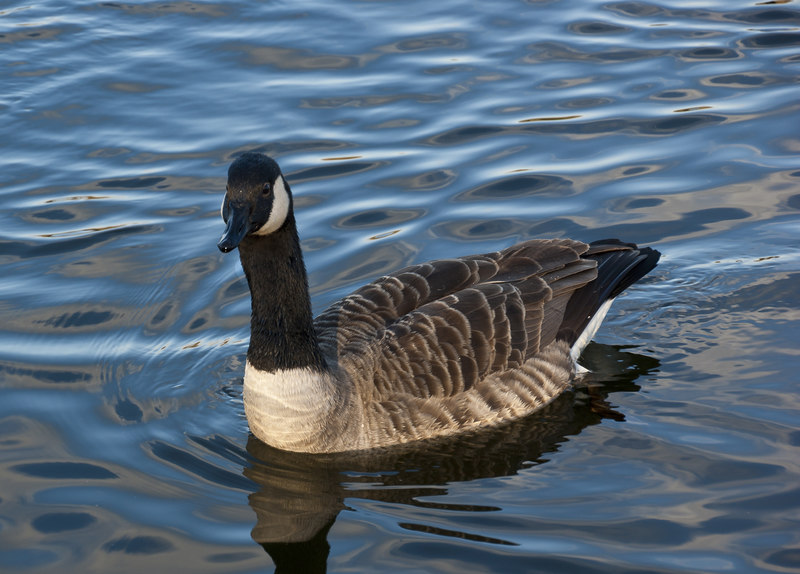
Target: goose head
<point>257,201</point>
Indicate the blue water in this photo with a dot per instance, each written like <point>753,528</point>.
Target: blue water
<point>409,131</point>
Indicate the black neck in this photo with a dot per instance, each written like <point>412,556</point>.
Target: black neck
<point>281,328</point>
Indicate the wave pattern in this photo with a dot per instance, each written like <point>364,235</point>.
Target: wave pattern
<point>409,131</point>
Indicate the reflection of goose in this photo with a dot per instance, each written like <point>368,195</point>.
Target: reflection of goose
<point>428,351</point>
<point>300,496</point>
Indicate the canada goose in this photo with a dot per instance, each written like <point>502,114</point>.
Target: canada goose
<point>430,350</point>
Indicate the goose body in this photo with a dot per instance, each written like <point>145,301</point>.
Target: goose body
<point>427,351</point>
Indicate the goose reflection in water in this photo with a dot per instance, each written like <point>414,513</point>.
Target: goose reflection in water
<point>301,495</point>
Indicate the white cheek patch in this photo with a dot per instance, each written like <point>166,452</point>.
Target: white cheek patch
<point>280,209</point>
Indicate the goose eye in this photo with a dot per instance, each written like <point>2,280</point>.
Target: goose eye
<point>267,189</point>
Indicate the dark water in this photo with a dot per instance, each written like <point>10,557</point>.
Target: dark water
<point>409,130</point>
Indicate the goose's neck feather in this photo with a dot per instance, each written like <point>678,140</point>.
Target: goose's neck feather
<point>281,327</point>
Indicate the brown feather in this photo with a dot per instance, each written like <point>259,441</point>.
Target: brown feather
<point>465,319</point>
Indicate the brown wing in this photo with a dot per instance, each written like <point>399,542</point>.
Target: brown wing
<point>438,328</point>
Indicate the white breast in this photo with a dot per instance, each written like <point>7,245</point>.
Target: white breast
<point>292,409</point>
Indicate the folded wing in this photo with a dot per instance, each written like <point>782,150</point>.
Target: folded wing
<point>439,328</point>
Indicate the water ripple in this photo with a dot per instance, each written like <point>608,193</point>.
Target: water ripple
<point>408,131</point>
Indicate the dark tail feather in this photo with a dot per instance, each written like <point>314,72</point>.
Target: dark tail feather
<point>619,265</point>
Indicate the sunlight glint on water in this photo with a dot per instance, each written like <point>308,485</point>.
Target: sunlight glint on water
<point>409,131</point>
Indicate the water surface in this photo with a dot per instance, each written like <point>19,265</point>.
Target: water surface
<point>409,131</point>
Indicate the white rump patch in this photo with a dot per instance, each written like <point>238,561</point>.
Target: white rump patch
<point>280,209</point>
<point>588,334</point>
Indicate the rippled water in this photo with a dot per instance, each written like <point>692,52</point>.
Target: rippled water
<point>409,131</point>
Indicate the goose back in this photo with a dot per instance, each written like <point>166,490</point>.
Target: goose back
<point>453,343</point>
